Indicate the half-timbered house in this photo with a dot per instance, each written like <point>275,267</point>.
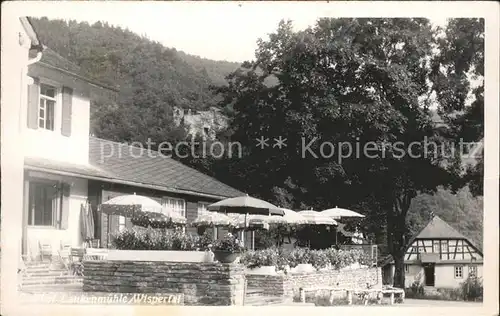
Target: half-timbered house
<point>439,256</point>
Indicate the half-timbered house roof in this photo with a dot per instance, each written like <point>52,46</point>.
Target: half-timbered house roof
<point>437,228</point>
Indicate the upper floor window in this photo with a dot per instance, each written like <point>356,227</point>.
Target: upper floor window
<point>444,246</point>
<point>50,106</point>
<point>435,246</point>
<point>177,206</point>
<point>47,107</point>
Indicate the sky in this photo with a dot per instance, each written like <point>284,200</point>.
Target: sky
<point>220,31</point>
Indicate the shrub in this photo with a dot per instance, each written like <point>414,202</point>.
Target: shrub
<point>299,256</point>
<point>319,259</point>
<point>206,240</point>
<point>283,259</point>
<point>259,258</point>
<point>416,290</point>
<point>472,289</point>
<point>151,239</point>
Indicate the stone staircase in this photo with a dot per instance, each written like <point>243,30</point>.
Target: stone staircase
<point>39,275</point>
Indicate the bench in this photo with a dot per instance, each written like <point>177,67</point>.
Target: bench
<point>363,293</point>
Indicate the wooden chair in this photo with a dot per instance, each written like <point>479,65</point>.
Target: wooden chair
<point>45,250</point>
<point>64,255</point>
<point>75,259</point>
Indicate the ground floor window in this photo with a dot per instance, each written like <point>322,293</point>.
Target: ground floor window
<point>44,203</point>
<point>458,272</point>
<point>175,205</point>
<point>407,268</point>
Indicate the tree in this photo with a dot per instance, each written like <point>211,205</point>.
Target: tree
<point>343,81</point>
<point>458,79</point>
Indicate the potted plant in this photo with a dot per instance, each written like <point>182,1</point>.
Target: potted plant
<point>226,250</point>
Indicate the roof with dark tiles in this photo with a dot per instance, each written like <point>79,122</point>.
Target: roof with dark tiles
<point>134,164</point>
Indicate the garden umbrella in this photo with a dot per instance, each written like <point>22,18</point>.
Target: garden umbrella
<point>316,218</point>
<point>83,222</point>
<point>292,217</point>
<point>211,219</point>
<point>87,221</point>
<point>142,210</point>
<point>338,213</point>
<point>246,205</point>
<point>127,205</point>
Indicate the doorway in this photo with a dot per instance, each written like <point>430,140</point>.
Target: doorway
<point>429,272</point>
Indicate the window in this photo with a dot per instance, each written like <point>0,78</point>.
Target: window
<point>472,271</point>
<point>458,272</point>
<point>44,203</point>
<point>121,223</point>
<point>202,208</point>
<point>444,246</point>
<point>175,205</point>
<point>46,107</point>
<point>407,268</point>
<point>435,247</point>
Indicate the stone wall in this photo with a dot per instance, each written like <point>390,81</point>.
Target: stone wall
<point>351,279</point>
<point>201,283</point>
<point>288,285</point>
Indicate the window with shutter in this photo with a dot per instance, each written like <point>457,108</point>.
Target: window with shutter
<point>47,106</point>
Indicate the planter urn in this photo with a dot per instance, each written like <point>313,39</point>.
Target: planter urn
<point>225,256</point>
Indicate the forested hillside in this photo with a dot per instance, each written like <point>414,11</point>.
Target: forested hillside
<point>151,77</point>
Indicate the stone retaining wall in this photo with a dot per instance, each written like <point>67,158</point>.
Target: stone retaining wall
<point>201,283</point>
<point>288,285</point>
<point>350,279</point>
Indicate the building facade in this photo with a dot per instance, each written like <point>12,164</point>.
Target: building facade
<point>65,168</point>
<point>440,257</point>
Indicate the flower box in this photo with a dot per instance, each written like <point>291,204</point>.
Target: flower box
<point>156,255</point>
<point>264,270</point>
<point>303,268</point>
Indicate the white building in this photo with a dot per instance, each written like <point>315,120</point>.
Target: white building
<point>439,257</point>
<point>64,167</point>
